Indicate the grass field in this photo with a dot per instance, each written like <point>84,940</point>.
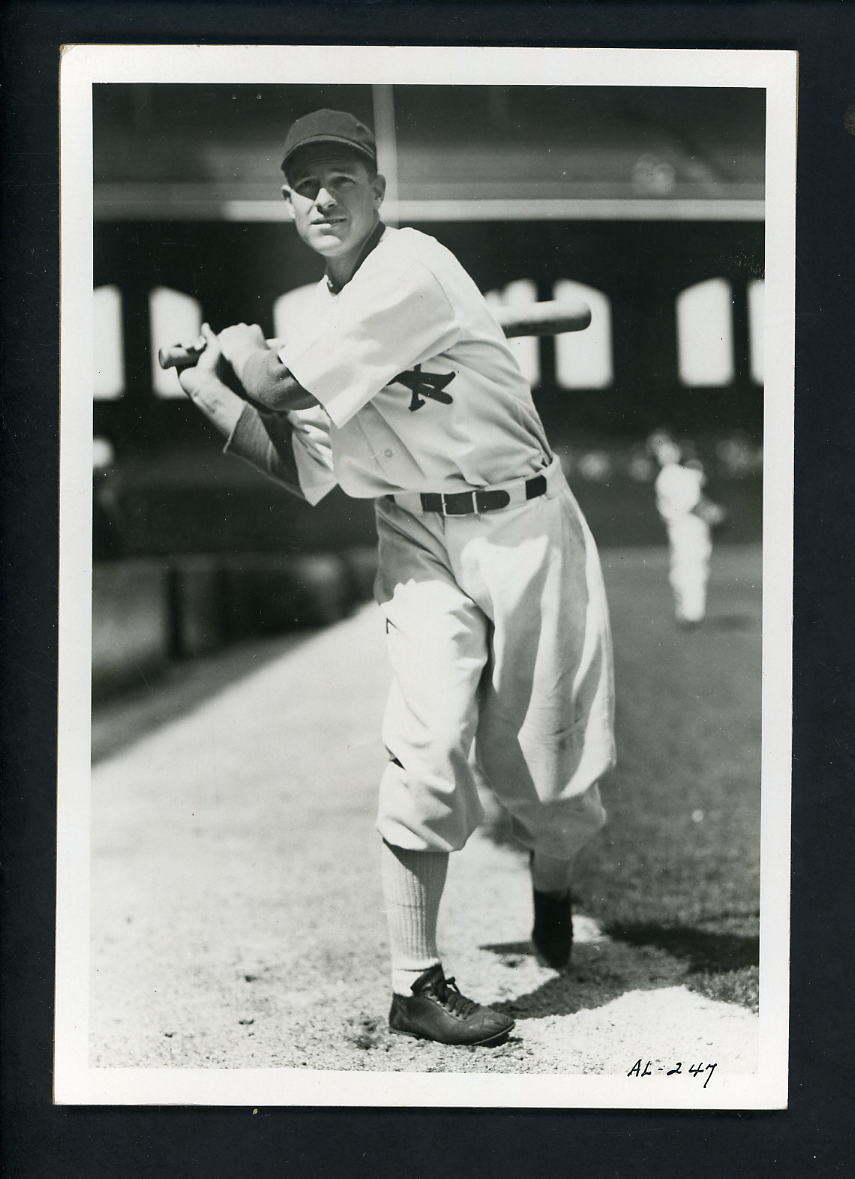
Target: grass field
<point>677,866</point>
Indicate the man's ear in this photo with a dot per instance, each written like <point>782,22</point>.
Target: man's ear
<point>286,193</point>
<point>379,186</point>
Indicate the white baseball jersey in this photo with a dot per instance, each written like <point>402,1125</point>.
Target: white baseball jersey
<point>678,490</point>
<point>421,390</point>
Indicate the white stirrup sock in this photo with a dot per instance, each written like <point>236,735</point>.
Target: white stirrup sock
<point>412,889</point>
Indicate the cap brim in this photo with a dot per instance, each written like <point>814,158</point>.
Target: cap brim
<point>336,139</point>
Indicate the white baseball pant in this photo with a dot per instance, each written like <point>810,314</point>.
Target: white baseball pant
<point>498,634</point>
<point>691,549</point>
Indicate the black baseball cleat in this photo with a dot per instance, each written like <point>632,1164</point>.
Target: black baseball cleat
<point>552,934</point>
<point>437,1011</point>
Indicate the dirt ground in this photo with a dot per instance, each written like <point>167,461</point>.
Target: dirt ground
<point>236,911</point>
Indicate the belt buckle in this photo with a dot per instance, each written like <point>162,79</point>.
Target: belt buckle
<point>444,498</point>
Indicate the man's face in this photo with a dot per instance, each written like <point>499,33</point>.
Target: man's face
<point>334,199</point>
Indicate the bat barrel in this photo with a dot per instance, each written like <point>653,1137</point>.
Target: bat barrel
<point>551,318</point>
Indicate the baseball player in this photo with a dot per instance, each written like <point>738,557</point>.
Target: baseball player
<point>398,384</point>
<point>688,516</point>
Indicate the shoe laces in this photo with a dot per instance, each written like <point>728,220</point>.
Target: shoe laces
<point>448,993</point>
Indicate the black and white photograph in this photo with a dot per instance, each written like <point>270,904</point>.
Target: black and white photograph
<point>425,576</point>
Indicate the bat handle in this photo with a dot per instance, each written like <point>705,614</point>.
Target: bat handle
<point>179,356</point>
<point>185,355</point>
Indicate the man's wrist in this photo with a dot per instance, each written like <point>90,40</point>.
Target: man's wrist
<point>218,403</point>
<point>208,390</point>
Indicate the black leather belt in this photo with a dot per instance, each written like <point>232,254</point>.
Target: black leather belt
<point>467,503</point>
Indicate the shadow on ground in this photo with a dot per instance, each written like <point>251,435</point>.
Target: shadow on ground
<point>729,622</point>
<point>701,949</point>
<point>637,957</point>
<point>599,973</point>
<point>182,687</point>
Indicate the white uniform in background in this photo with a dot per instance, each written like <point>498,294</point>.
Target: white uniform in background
<point>679,491</point>
<point>495,614</point>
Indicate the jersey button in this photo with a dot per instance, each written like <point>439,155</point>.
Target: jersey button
<point>388,453</point>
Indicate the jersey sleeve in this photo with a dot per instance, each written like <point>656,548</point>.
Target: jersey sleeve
<point>293,449</point>
<point>386,320</point>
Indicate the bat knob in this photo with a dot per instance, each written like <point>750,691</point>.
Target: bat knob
<point>180,355</point>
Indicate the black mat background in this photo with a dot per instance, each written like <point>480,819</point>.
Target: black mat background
<point>815,1135</point>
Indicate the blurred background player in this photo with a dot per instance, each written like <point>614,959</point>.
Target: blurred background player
<point>689,517</point>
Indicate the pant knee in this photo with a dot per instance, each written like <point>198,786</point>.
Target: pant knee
<point>425,812</point>
<point>593,809</point>
<point>562,827</point>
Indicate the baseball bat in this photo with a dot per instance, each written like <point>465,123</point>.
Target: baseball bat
<point>543,319</point>
<point>534,319</point>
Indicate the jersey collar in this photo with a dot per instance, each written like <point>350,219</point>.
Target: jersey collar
<point>370,242</point>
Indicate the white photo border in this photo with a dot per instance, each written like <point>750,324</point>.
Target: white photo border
<point>75,1082</point>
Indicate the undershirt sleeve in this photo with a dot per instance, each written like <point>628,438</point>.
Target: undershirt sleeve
<point>386,320</point>
<point>292,449</point>
<point>269,383</point>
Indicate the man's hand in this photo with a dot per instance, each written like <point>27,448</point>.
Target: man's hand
<point>203,373</point>
<point>206,390</point>
<point>239,341</point>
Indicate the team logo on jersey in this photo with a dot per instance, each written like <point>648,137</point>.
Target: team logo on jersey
<point>423,385</point>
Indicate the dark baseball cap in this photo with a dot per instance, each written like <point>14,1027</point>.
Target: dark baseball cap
<point>326,126</point>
